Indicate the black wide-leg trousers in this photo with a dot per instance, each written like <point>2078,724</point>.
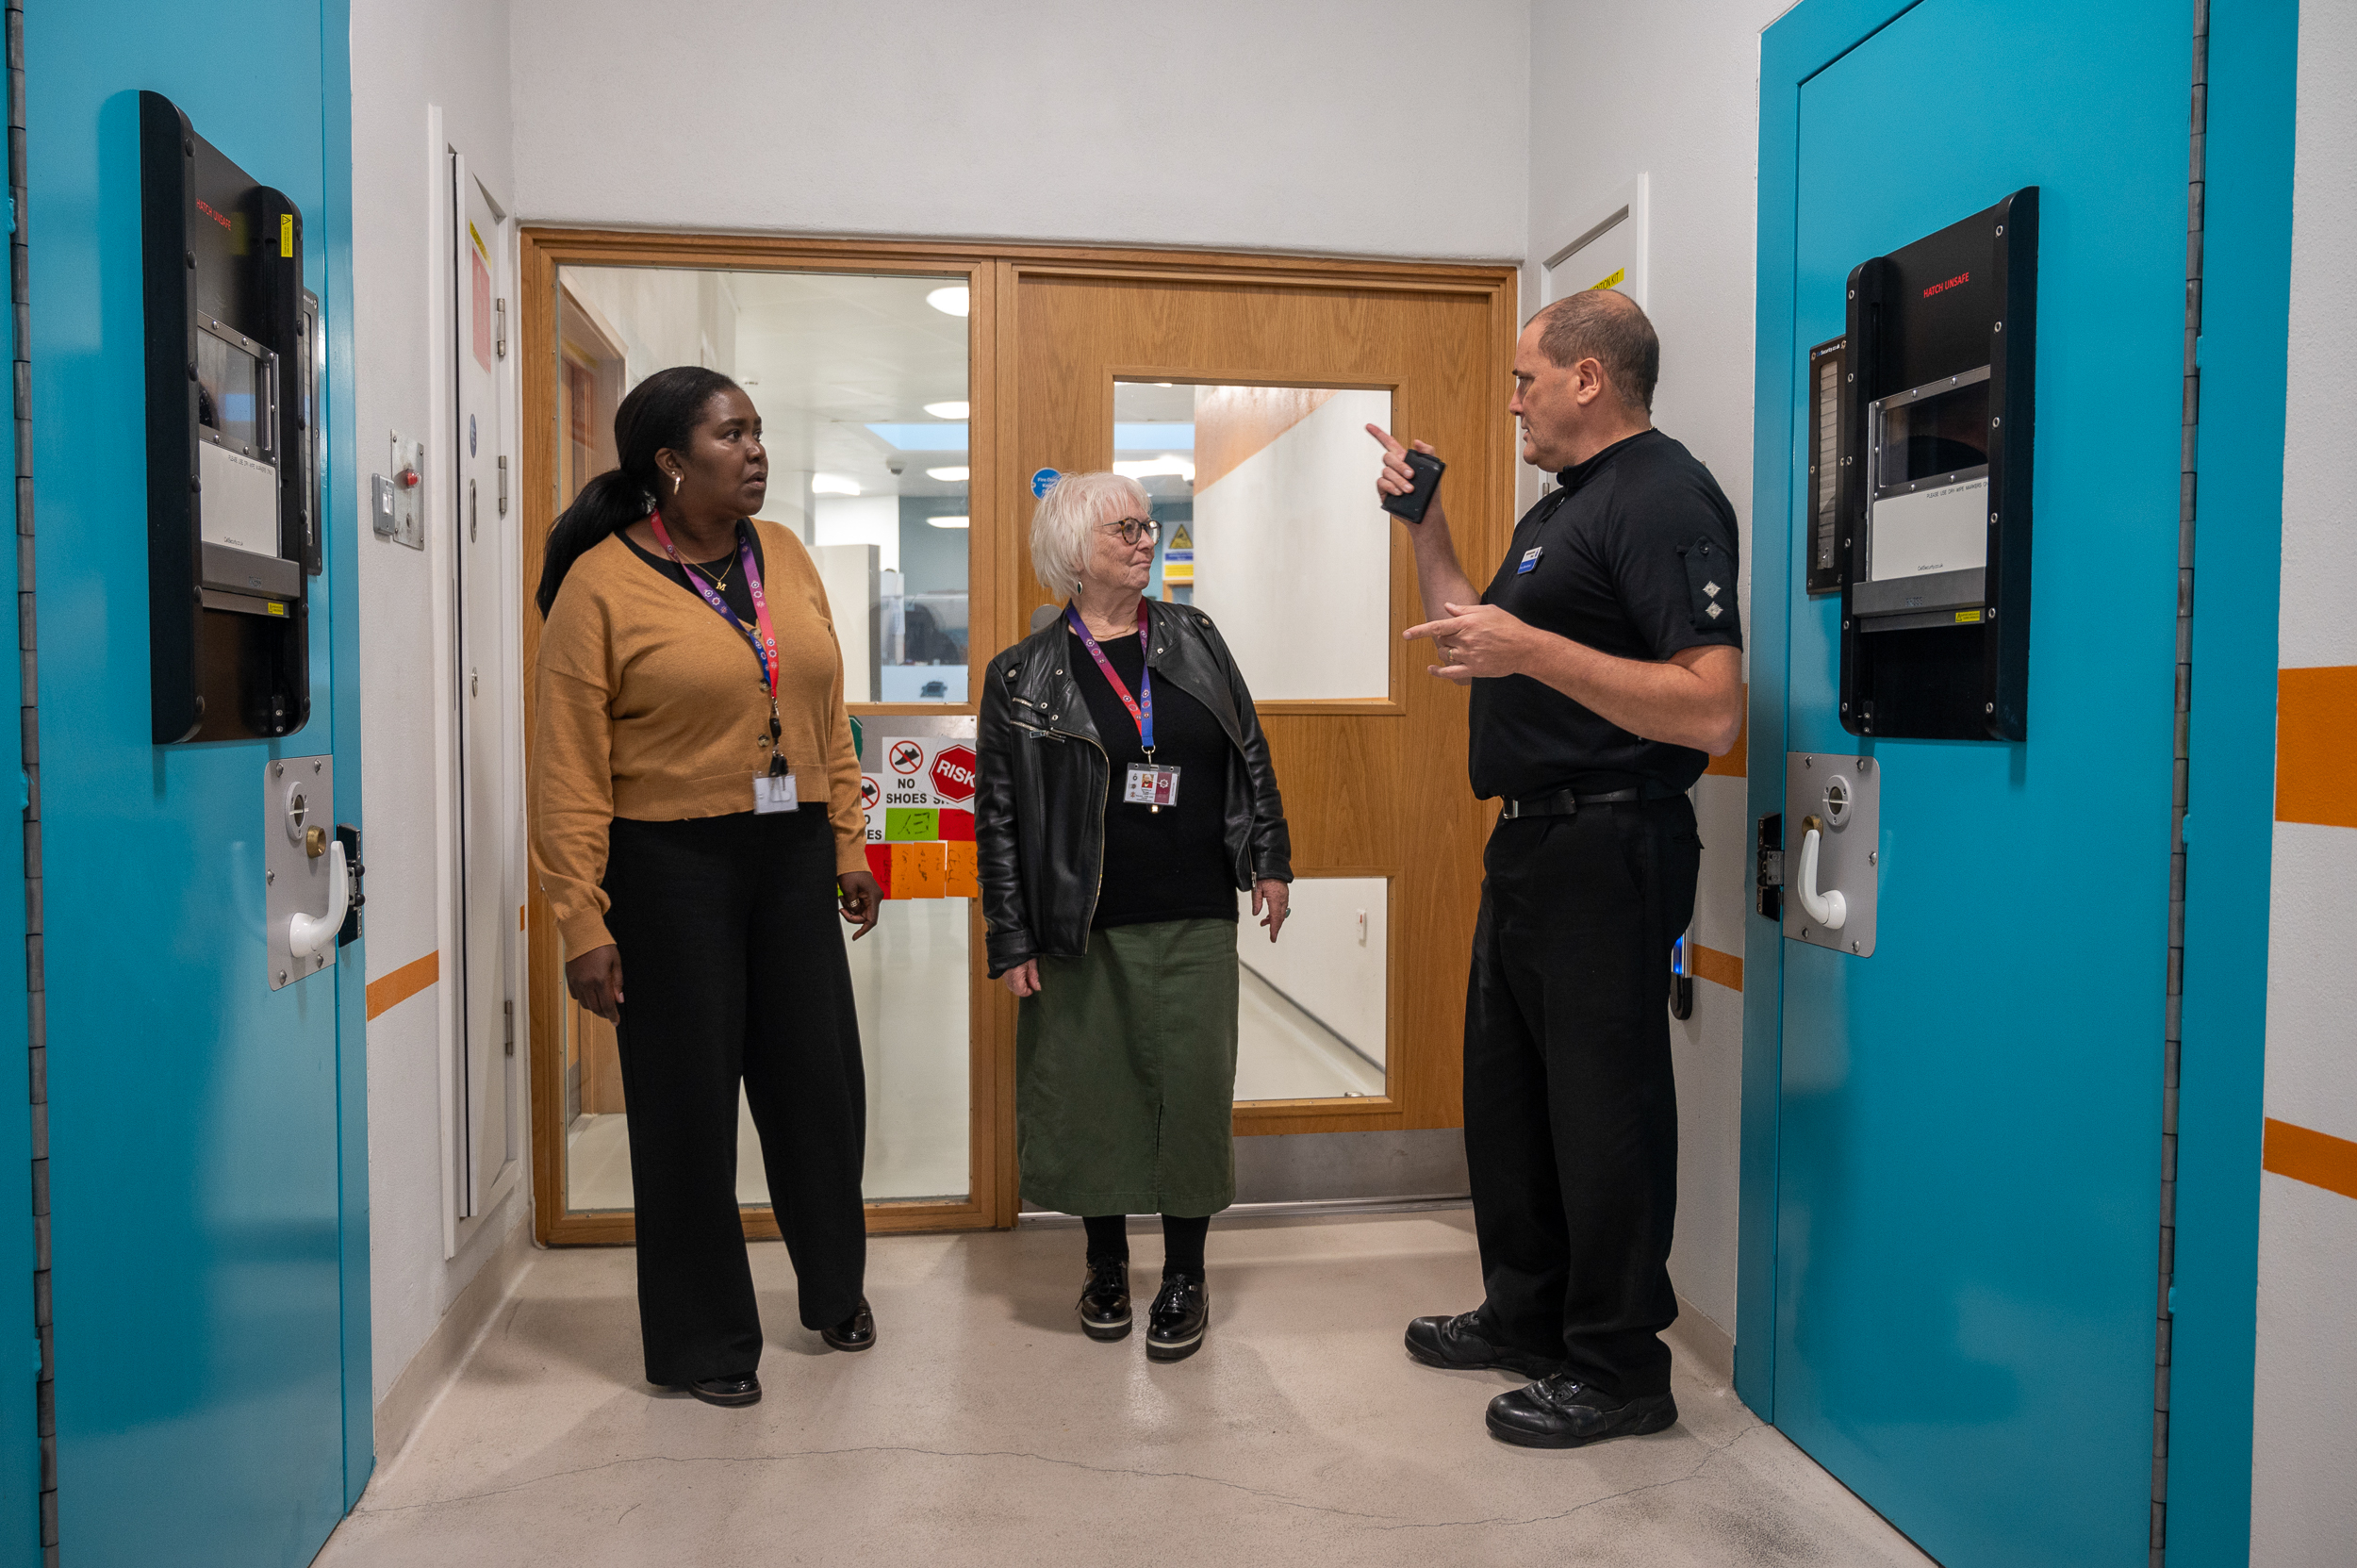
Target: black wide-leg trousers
<point>733,970</point>
<point>1571,1107</point>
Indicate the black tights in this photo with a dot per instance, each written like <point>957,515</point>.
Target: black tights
<point>1182,1241</point>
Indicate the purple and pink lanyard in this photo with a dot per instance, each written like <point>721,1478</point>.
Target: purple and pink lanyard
<point>764,641</point>
<point>1141,706</point>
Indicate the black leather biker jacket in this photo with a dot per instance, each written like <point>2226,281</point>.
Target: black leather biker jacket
<point>1039,808</point>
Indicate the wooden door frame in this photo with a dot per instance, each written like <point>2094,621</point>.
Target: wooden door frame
<point>995,572</point>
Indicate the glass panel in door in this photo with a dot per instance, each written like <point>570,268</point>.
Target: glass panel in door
<point>1265,497</point>
<point>861,381</point>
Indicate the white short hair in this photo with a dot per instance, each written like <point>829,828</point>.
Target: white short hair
<point>1061,523</point>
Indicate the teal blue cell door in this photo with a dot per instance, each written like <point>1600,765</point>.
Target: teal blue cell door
<point>206,1138</point>
<point>1961,1193</point>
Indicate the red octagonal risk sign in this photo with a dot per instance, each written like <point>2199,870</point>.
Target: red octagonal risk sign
<point>953,773</point>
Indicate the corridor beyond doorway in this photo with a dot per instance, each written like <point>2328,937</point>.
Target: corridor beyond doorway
<point>984,1429</point>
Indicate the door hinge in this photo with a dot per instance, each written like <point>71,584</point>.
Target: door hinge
<point>502,486</point>
<point>1768,878</point>
<point>508,1010</point>
<point>499,327</point>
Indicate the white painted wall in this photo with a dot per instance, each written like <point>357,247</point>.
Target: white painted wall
<point>1319,960</point>
<point>406,58</point>
<point>2304,1511</point>
<point>1300,513</point>
<point>1365,126</point>
<point>1672,92</point>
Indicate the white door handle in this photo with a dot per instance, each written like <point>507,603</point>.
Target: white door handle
<point>1827,909</point>
<point>307,933</point>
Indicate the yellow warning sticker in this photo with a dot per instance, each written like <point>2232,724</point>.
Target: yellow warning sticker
<point>1967,614</point>
<point>274,607</point>
<point>286,234</point>
<point>1620,276</point>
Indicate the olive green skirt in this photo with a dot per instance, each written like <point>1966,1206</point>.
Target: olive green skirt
<point>1124,1072</point>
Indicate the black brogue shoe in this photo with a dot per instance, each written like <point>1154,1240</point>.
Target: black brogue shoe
<point>855,1332</point>
<point>1105,1299</point>
<point>1562,1411</point>
<point>1462,1343</point>
<point>1175,1324</point>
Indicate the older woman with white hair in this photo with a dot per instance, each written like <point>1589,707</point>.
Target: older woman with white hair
<point>1125,798</point>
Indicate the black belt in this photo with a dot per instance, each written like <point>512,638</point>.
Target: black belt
<point>1563,802</point>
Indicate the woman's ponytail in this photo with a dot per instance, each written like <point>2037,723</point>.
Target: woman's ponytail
<point>661,411</point>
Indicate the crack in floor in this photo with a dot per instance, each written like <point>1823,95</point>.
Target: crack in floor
<point>1381,1521</point>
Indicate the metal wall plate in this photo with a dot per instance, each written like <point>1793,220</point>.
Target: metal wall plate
<point>298,795</point>
<point>1844,792</point>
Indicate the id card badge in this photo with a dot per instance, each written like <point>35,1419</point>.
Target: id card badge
<point>774,792</point>
<point>1150,786</point>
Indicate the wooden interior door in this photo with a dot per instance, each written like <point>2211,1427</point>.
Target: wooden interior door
<point>1374,785</point>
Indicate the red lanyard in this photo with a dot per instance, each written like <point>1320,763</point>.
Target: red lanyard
<point>1141,706</point>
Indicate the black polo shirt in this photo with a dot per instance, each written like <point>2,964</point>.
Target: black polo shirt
<point>1634,556</point>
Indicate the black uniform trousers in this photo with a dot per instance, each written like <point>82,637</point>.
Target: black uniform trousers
<point>1571,1107</point>
<point>733,969</point>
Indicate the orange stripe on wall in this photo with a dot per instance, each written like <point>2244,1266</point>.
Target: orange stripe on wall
<point>2304,1154</point>
<point>2316,746</point>
<point>1717,967</point>
<point>388,991</point>
<point>1233,422</point>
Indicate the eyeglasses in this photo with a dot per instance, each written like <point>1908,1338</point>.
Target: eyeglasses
<point>1133,529</point>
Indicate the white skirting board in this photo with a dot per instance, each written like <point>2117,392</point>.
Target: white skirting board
<point>438,1361</point>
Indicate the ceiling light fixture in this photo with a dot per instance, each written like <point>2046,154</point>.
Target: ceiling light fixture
<point>947,523</point>
<point>833,483</point>
<point>956,299</point>
<point>952,410</point>
<point>950,476</point>
<point>1166,462</point>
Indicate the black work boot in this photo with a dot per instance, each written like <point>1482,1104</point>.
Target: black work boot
<point>1105,1299</point>
<point>1462,1343</point>
<point>1175,1324</point>
<point>1560,1411</point>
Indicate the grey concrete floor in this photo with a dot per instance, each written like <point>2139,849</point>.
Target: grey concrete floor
<point>984,1428</point>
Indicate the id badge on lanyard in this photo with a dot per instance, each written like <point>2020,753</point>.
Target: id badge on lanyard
<point>1148,784</point>
<point>773,791</point>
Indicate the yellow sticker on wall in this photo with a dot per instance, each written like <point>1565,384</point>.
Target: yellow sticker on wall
<point>1620,276</point>
<point>286,234</point>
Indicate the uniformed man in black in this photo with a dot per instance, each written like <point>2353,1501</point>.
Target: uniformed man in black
<point>1606,661</point>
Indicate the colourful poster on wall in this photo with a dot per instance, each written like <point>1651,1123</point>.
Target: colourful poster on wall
<point>920,817</point>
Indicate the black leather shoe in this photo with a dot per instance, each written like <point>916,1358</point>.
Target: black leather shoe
<point>1105,1299</point>
<point>855,1332</point>
<point>1462,1343</point>
<point>742,1388</point>
<point>1175,1324</point>
<point>1563,1412</point>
